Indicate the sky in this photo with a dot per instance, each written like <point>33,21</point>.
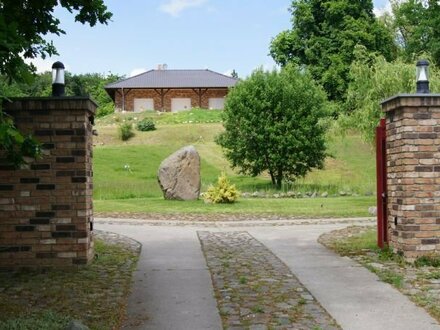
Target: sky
<point>220,35</point>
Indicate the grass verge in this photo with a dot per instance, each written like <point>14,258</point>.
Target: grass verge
<point>94,294</point>
<point>304,207</point>
<point>419,281</point>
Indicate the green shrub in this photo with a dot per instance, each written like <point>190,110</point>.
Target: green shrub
<point>429,260</point>
<point>105,109</point>
<point>223,192</point>
<point>125,131</point>
<point>146,125</point>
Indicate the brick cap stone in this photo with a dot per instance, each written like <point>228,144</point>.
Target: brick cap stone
<point>50,103</point>
<point>410,100</point>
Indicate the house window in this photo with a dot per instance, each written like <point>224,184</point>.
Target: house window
<point>217,103</point>
<point>143,105</point>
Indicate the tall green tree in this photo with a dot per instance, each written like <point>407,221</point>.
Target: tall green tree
<point>272,123</point>
<point>373,79</point>
<point>323,36</point>
<point>24,26</point>
<point>417,26</point>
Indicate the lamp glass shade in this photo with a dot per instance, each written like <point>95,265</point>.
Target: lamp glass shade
<point>422,73</point>
<point>58,76</point>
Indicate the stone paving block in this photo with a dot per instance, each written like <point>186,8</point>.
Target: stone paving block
<point>255,289</point>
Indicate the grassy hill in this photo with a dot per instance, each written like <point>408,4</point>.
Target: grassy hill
<point>127,170</point>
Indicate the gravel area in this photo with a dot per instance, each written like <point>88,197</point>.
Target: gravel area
<point>255,289</point>
<point>420,284</point>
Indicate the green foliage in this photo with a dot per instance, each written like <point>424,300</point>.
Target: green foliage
<point>24,38</point>
<point>222,192</point>
<point>145,125</point>
<point>271,122</point>
<point>416,23</point>
<point>373,79</point>
<point>323,36</point>
<point>92,85</point>
<point>429,260</point>
<point>14,144</point>
<point>125,131</point>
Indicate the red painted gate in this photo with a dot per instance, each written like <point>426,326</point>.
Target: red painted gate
<point>381,172</point>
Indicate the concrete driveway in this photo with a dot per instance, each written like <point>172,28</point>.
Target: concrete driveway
<point>173,289</point>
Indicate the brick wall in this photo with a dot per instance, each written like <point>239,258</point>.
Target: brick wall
<point>46,206</point>
<point>130,95</point>
<point>413,166</point>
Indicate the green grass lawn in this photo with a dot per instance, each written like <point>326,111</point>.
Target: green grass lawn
<point>125,172</point>
<point>305,207</point>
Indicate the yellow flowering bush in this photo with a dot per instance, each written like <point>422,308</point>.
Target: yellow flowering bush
<point>222,192</point>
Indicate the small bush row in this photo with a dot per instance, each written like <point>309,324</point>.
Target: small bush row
<point>125,130</point>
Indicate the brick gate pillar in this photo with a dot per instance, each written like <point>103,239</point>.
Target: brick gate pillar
<point>413,166</point>
<point>46,211</point>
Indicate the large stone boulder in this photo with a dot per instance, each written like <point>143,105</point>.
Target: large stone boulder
<point>179,175</point>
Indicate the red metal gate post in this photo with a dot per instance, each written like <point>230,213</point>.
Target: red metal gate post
<point>381,175</point>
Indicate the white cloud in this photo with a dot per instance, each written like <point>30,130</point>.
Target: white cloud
<point>175,7</point>
<point>228,72</point>
<point>137,71</point>
<point>379,11</point>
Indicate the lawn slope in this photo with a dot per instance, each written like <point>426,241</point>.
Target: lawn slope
<point>125,172</point>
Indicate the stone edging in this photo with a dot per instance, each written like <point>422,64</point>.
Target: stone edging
<point>238,223</point>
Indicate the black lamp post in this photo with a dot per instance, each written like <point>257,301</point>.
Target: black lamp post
<point>422,77</point>
<point>58,79</point>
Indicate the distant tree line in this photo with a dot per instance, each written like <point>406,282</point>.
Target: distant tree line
<point>89,84</point>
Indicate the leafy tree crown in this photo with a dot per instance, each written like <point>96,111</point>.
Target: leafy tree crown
<point>272,123</point>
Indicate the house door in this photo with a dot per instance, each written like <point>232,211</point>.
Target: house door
<point>180,104</point>
<point>216,103</point>
<point>143,104</point>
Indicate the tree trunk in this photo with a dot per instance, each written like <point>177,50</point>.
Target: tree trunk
<point>271,172</point>
<point>272,177</point>
<point>279,178</point>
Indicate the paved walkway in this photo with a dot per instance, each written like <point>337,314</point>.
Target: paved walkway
<point>173,287</point>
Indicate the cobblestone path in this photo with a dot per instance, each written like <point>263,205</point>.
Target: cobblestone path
<point>256,290</point>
